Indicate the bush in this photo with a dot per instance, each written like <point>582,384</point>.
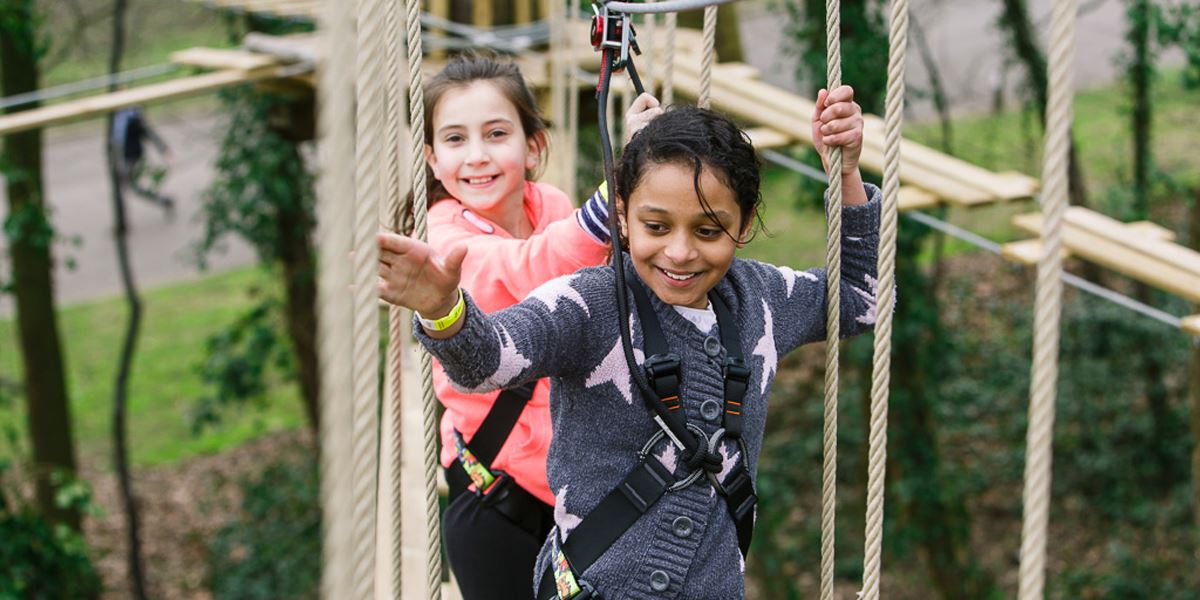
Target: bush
<point>38,560</point>
<point>272,549</point>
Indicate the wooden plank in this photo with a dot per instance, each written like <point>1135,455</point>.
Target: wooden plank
<point>912,198</point>
<point>765,138</point>
<point>102,105</point>
<point>1191,324</point>
<point>1121,259</point>
<point>220,58</point>
<point>736,70</point>
<point>1151,230</point>
<point>1116,231</point>
<point>1026,252</point>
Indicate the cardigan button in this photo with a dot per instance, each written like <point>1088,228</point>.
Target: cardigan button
<point>710,410</point>
<point>712,346</point>
<point>682,527</point>
<point>660,581</point>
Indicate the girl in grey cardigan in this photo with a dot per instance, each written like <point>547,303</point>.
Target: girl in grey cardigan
<point>688,191</point>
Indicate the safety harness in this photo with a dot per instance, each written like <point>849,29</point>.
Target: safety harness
<point>493,487</point>
<point>650,479</point>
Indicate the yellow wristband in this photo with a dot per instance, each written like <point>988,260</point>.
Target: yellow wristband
<point>447,321</point>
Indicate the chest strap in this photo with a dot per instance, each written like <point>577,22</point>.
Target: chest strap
<point>649,480</point>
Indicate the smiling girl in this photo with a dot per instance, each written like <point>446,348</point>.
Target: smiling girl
<point>638,516</point>
<point>485,141</point>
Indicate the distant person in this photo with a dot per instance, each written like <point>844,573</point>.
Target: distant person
<point>129,134</point>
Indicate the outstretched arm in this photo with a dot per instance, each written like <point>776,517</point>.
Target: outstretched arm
<point>412,275</point>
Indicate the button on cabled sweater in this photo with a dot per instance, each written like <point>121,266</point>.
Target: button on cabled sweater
<point>685,546</point>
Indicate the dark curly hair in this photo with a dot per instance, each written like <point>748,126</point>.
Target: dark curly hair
<point>696,138</point>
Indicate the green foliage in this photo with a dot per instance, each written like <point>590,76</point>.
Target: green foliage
<point>259,174</point>
<point>1135,576</point>
<point>272,549</point>
<point>239,362</point>
<point>1179,26</point>
<point>25,26</point>
<point>864,47</point>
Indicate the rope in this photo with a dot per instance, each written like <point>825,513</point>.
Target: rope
<point>886,273</point>
<point>833,262</point>
<point>393,192</point>
<point>668,76</point>
<point>336,150</point>
<point>558,80</point>
<point>708,56</point>
<point>416,107</point>
<point>365,359</point>
<point>572,104</point>
<point>1048,303</point>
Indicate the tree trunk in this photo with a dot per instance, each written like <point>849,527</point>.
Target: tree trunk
<point>46,397</point>
<point>935,512</point>
<point>1015,19</point>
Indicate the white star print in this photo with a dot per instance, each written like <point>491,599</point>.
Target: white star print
<point>790,275</point>
<point>728,462</point>
<point>668,458</point>
<point>566,521</point>
<point>512,362</point>
<point>552,290</point>
<point>868,318</point>
<point>766,348</point>
<point>614,369</point>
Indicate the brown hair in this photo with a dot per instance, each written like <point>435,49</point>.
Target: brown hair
<point>465,69</point>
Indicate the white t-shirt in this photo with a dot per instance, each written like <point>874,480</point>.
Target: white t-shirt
<point>703,318</point>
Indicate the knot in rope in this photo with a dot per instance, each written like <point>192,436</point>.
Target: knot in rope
<point>702,458</point>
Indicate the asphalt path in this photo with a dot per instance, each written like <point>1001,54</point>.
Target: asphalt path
<point>961,36</point>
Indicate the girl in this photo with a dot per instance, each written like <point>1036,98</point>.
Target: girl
<point>638,515</point>
<point>484,141</point>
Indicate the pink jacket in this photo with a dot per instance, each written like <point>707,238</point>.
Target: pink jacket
<point>500,271</point>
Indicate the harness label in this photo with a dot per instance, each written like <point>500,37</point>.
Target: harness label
<point>479,474</point>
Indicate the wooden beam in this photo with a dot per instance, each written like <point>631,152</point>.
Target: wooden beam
<point>1026,252</point>
<point>1191,325</point>
<point>1119,258</point>
<point>1119,233</point>
<point>1151,230</point>
<point>96,106</point>
<point>222,58</point>
<point>765,138</point>
<point>912,198</point>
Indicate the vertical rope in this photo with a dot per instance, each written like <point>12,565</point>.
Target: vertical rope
<point>708,56</point>
<point>558,84</point>
<point>393,193</point>
<point>365,360</point>
<point>1048,305</point>
<point>572,103</point>
<point>334,222</point>
<point>416,107</point>
<point>833,267</point>
<point>886,272</point>
<point>670,23</point>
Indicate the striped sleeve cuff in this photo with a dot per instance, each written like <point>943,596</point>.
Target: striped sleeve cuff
<point>593,216</point>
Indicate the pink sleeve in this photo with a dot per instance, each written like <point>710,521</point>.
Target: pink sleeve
<point>500,271</point>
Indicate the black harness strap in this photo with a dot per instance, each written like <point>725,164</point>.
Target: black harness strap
<point>499,423</point>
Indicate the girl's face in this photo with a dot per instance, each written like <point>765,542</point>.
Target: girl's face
<point>480,152</point>
<point>676,248</point>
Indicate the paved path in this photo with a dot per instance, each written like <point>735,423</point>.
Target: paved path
<point>961,35</point>
<point>77,191</point>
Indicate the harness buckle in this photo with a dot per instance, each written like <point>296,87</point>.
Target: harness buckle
<point>737,380</point>
<point>496,491</point>
<point>662,371</point>
<point>739,493</point>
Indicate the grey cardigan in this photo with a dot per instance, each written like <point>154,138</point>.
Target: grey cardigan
<point>685,546</point>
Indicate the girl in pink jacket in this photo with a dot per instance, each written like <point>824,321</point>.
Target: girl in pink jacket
<point>484,142</point>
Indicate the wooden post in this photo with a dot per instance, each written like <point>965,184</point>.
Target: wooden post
<point>481,13</point>
<point>523,11</point>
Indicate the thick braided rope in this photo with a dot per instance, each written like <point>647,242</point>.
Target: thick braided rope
<point>334,222</point>
<point>416,106</point>
<point>365,360</point>
<point>393,193</point>
<point>886,272</point>
<point>572,102</point>
<point>670,23</point>
<point>1048,305</point>
<point>833,268</point>
<point>558,80</point>
<point>707,57</point>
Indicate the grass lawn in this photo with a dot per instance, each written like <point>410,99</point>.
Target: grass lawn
<point>164,384</point>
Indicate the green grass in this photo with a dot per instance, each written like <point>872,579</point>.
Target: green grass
<point>164,383</point>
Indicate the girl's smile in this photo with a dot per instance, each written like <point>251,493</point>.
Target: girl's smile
<point>676,247</point>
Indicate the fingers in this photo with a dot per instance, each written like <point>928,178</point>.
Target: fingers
<point>395,243</point>
<point>819,107</point>
<point>644,101</point>
<point>454,259</point>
